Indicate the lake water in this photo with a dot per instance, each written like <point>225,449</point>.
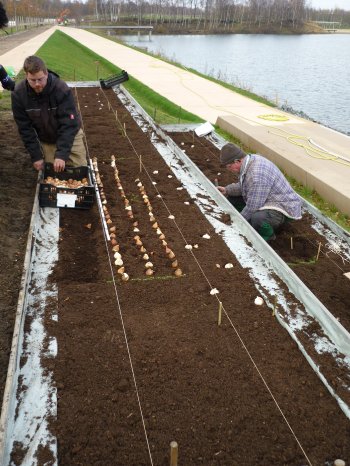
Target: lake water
<point>310,73</point>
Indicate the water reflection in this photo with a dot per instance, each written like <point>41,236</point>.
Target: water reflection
<point>310,73</point>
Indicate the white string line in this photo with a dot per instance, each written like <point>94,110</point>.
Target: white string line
<point>164,203</point>
<point>236,331</point>
<point>265,383</point>
<point>120,310</point>
<point>325,254</point>
<point>344,259</point>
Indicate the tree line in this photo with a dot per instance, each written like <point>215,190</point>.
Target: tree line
<point>201,15</point>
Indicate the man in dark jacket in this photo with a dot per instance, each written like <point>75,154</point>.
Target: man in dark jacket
<point>48,122</point>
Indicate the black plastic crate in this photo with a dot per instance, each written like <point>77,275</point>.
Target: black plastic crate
<point>62,196</point>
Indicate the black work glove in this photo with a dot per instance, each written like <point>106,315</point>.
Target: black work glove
<point>6,81</point>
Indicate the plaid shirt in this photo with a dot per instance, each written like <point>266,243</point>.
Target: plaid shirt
<point>263,186</point>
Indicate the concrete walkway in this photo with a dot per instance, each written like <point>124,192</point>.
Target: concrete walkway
<point>316,156</point>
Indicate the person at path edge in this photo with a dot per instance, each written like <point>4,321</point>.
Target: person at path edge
<point>48,122</point>
<point>263,195</point>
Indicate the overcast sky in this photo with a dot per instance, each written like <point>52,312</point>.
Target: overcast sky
<point>330,4</point>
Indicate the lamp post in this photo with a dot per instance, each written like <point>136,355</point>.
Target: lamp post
<point>15,7</point>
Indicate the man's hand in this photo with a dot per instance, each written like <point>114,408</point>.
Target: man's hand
<point>39,165</point>
<point>59,165</point>
<point>222,190</point>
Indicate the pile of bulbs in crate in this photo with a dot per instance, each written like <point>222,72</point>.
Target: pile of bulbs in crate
<point>118,261</point>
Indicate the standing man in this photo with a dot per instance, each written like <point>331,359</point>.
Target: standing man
<point>48,121</point>
<point>263,195</point>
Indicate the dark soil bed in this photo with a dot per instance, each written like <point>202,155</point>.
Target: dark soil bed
<point>17,186</point>
<point>143,362</point>
<point>297,242</point>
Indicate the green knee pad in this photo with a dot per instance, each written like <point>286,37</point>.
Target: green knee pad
<point>266,231</point>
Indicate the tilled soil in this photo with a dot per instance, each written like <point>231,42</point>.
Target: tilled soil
<point>17,186</point>
<point>297,242</point>
<point>143,362</point>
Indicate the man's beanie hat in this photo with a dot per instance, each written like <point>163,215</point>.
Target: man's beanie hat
<point>230,152</point>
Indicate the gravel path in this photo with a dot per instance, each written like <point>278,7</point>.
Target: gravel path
<point>9,42</point>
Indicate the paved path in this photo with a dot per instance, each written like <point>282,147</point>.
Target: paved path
<point>316,156</point>
<point>11,41</point>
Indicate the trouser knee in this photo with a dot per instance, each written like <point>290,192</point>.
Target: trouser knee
<point>265,222</point>
<point>272,217</point>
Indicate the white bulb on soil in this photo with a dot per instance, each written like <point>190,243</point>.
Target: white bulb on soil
<point>171,217</point>
<point>155,172</point>
<point>188,246</point>
<point>118,262</point>
<point>206,236</point>
<point>258,301</point>
<point>228,266</point>
<point>214,291</point>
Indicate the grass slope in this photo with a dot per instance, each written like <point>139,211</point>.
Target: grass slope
<point>75,62</point>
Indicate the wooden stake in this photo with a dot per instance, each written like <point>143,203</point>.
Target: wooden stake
<point>173,453</point>
<point>124,130</point>
<point>219,313</point>
<point>291,242</point>
<point>274,306</point>
<point>319,250</point>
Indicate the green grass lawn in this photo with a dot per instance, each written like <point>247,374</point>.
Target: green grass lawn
<point>74,62</point>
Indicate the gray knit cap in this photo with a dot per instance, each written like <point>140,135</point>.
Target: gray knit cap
<point>229,153</point>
